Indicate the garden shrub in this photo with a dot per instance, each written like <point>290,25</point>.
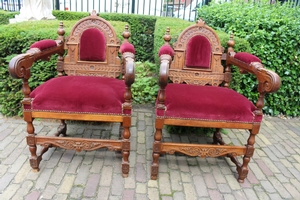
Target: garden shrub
<point>145,87</point>
<point>273,33</point>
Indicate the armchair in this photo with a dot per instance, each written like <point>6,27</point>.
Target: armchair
<point>199,95</point>
<point>87,87</point>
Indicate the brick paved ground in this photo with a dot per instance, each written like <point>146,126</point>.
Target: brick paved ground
<point>274,170</point>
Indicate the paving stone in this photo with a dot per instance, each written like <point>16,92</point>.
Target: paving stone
<point>164,184</point>
<point>26,186</point>
<point>59,173</point>
<point>279,187</point>
<point>141,188</point>
<point>103,193</point>
<point>153,194</point>
<point>91,185</point>
<point>189,191</point>
<point>106,176</point>
<point>67,184</point>
<point>34,195</point>
<point>176,183</point>
<point>5,181</point>
<point>9,191</point>
<point>200,186</point>
<point>49,192</point>
<point>129,195</point>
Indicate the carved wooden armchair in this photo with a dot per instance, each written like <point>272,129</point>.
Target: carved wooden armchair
<point>87,87</point>
<point>199,95</point>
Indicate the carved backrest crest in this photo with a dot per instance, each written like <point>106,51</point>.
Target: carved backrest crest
<point>213,73</point>
<point>109,66</point>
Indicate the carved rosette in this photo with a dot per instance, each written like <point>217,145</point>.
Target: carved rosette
<point>204,152</point>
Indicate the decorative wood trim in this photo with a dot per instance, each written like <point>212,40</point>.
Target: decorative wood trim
<point>78,144</point>
<point>202,150</point>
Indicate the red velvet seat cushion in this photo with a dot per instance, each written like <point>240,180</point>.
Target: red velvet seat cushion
<point>44,44</point>
<point>80,94</point>
<point>198,52</point>
<point>92,45</point>
<point>246,57</point>
<point>207,103</point>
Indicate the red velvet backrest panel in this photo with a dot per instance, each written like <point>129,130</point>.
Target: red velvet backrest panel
<point>198,52</point>
<point>92,45</point>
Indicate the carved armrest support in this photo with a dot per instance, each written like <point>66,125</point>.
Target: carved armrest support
<point>268,80</point>
<point>165,61</point>
<point>19,66</point>
<point>129,65</point>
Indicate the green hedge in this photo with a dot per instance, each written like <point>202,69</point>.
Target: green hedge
<point>273,33</point>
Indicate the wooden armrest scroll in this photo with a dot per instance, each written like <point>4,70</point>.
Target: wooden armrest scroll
<point>268,80</point>
<point>19,66</point>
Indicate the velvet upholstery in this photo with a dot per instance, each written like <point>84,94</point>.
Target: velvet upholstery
<point>71,94</point>
<point>44,44</point>
<point>166,49</point>
<point>207,103</point>
<point>127,47</point>
<point>246,57</point>
<point>92,45</point>
<point>198,52</point>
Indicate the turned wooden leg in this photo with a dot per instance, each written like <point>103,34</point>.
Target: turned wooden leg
<point>34,160</point>
<point>126,146</point>
<point>156,148</point>
<point>243,169</point>
<point>217,138</point>
<point>62,129</point>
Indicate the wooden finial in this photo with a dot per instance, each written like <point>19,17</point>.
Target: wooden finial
<point>230,43</point>
<point>61,31</point>
<point>126,34</point>
<point>167,36</point>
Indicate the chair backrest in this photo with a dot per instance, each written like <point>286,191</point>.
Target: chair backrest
<point>197,57</point>
<point>92,49</point>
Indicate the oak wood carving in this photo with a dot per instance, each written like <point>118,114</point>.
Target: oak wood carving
<point>70,65</point>
<point>173,68</point>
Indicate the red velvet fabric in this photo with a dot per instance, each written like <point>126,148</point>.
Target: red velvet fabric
<point>77,94</point>
<point>92,45</point>
<point>44,44</point>
<point>166,49</point>
<point>127,47</point>
<point>207,103</point>
<point>246,57</point>
<point>198,52</point>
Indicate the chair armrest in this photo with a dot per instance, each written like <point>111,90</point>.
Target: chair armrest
<point>165,62</point>
<point>19,66</point>
<point>268,80</point>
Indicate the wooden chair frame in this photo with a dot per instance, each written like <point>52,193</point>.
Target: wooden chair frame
<point>20,67</point>
<point>173,68</point>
